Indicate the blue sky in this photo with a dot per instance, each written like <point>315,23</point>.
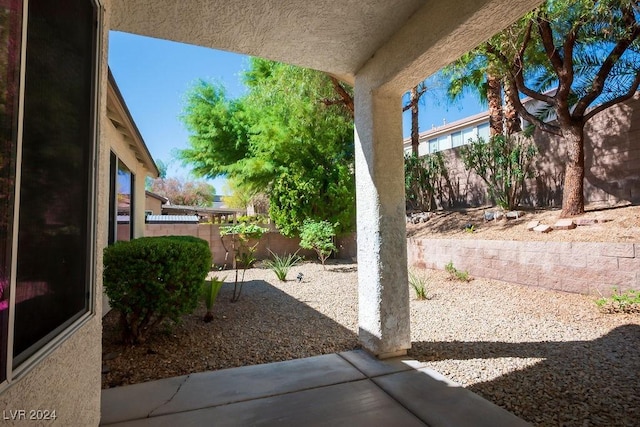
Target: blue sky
<point>153,76</point>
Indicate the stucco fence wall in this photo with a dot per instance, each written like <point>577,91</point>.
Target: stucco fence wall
<point>271,240</point>
<point>581,267</point>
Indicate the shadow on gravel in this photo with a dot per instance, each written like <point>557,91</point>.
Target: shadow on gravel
<point>265,325</point>
<point>591,383</point>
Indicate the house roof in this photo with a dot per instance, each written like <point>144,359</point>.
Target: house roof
<point>398,43</point>
<point>118,113</point>
<point>156,196</point>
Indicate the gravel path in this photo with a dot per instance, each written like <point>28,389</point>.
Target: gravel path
<point>551,358</point>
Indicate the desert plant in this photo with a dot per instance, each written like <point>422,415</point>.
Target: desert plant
<point>503,163</point>
<point>318,235</point>
<point>462,276</point>
<point>210,291</point>
<point>242,235</point>
<point>419,285</point>
<point>154,278</point>
<point>423,177</point>
<point>281,265</point>
<point>620,302</point>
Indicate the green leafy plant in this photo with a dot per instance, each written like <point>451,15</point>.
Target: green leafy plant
<point>419,285</point>
<point>456,274</point>
<point>152,279</point>
<point>245,238</point>
<point>620,302</point>
<point>281,265</point>
<point>503,163</point>
<point>318,235</point>
<point>424,179</point>
<point>210,290</point>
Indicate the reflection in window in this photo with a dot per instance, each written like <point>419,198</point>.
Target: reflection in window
<point>124,202</point>
<point>52,280</point>
<point>10,41</point>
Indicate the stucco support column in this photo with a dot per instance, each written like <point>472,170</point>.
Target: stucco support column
<point>383,292</point>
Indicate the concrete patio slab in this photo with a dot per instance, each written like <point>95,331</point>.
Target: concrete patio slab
<point>138,400</point>
<point>352,388</point>
<point>215,388</point>
<point>373,367</point>
<point>351,404</point>
<point>440,402</point>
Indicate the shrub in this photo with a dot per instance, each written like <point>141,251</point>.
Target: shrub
<point>244,252</point>
<point>424,179</point>
<point>154,278</point>
<point>620,302</point>
<point>318,235</point>
<point>281,265</point>
<point>503,163</point>
<point>456,274</point>
<point>419,285</point>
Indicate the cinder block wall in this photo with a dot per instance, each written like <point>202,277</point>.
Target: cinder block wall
<point>579,267</point>
<point>270,241</point>
<point>612,164</point>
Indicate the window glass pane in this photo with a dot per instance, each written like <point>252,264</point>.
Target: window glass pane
<point>52,284</point>
<point>456,139</point>
<point>444,142</point>
<point>468,134</point>
<point>124,185</point>
<point>483,131</point>
<point>433,145</point>
<point>10,40</point>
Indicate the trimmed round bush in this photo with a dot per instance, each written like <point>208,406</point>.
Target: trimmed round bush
<point>154,278</point>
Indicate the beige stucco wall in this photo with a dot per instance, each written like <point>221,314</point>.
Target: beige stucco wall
<point>68,379</point>
<point>121,149</point>
<point>154,205</point>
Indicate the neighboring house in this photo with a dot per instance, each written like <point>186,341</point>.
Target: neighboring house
<point>130,164</point>
<point>153,203</point>
<point>612,150</point>
<point>64,144</point>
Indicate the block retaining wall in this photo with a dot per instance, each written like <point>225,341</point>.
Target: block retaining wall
<point>580,267</point>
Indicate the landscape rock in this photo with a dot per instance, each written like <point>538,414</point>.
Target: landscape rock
<point>532,224</point>
<point>586,221</point>
<point>514,214</point>
<point>564,224</point>
<point>543,228</point>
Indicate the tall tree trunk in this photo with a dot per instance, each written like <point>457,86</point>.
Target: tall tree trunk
<point>415,136</point>
<point>494,97</point>
<point>511,117</point>
<point>573,193</point>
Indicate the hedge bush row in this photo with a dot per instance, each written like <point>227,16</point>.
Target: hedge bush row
<point>154,278</point>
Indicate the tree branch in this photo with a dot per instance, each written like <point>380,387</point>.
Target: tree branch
<point>546,35</point>
<point>524,113</point>
<point>614,56</point>
<point>345,97</point>
<point>632,90</point>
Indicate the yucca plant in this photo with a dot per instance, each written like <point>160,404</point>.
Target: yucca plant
<point>210,291</point>
<point>281,265</point>
<point>419,285</point>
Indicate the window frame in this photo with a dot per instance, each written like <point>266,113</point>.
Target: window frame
<point>63,332</point>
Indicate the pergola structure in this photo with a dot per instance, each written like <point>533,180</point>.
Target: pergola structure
<point>383,48</point>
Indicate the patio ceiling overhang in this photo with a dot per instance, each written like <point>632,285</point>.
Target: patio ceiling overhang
<point>405,40</point>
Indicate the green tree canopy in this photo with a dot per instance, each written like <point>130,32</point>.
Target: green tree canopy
<point>283,138</point>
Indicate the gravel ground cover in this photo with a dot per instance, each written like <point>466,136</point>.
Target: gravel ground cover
<point>551,358</point>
